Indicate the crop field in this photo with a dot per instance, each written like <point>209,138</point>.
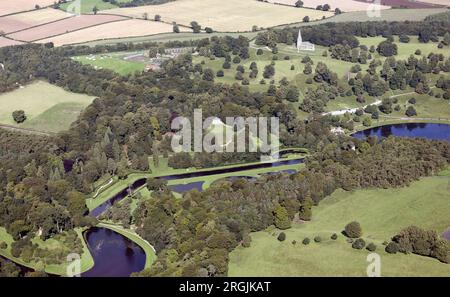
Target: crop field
<point>64,26</point>
<point>381,212</point>
<point>343,5</point>
<point>440,2</point>
<point>410,3</point>
<point>224,16</point>
<point>7,42</point>
<point>121,29</point>
<point>21,21</point>
<point>47,107</point>
<point>14,6</point>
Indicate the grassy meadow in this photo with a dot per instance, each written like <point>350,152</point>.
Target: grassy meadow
<point>381,213</point>
<point>48,108</point>
<point>88,5</point>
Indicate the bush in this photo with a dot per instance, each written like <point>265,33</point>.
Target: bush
<point>259,52</point>
<point>236,60</point>
<point>353,230</point>
<point>334,236</point>
<point>281,236</point>
<point>392,248</point>
<point>294,242</point>
<point>19,116</point>
<point>246,241</point>
<point>317,239</point>
<point>3,245</point>
<point>411,111</point>
<point>306,241</point>
<point>359,244</point>
<point>371,247</point>
<point>220,73</point>
<point>412,100</point>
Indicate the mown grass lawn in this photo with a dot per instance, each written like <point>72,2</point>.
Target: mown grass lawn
<point>47,107</point>
<point>113,62</point>
<point>382,213</point>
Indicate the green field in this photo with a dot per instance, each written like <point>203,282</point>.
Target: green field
<point>113,61</point>
<point>88,5</point>
<point>382,213</point>
<point>47,107</point>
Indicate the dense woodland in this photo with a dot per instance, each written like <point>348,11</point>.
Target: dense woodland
<point>44,180</point>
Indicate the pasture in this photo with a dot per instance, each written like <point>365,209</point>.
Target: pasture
<point>64,26</point>
<point>343,5</point>
<point>47,107</point>
<point>15,6</point>
<point>86,6</point>
<point>224,16</point>
<point>21,21</point>
<point>120,29</point>
<point>381,213</point>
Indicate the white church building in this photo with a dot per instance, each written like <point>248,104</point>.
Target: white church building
<point>304,46</point>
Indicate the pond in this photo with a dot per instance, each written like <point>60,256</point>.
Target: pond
<point>422,130</point>
<point>114,254</point>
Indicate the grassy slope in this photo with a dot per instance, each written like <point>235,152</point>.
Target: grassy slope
<point>381,213</point>
<point>47,107</point>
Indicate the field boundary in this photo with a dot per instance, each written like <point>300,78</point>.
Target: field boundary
<point>36,26</point>
<point>91,26</point>
<point>25,11</point>
<point>26,130</point>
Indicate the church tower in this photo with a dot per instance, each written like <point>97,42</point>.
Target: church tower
<point>299,40</point>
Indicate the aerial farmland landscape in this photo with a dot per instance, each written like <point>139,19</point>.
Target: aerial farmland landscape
<point>212,138</point>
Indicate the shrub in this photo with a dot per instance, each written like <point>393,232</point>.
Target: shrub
<point>334,236</point>
<point>220,73</point>
<point>359,244</point>
<point>411,111</point>
<point>306,241</point>
<point>371,247</point>
<point>353,230</point>
<point>317,239</point>
<point>259,52</point>
<point>3,245</point>
<point>19,116</point>
<point>392,248</point>
<point>294,242</point>
<point>412,100</point>
<point>236,60</point>
<point>246,241</point>
<point>281,236</point>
